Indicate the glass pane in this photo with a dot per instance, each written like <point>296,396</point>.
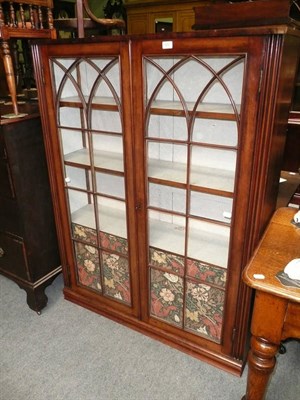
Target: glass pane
<point>167,231</point>
<point>108,68</point>
<point>213,131</point>
<point>155,72</point>
<point>167,161</point>
<point>210,79</point>
<point>87,263</point>
<point>81,208</point>
<point>108,152</point>
<point>106,121</point>
<point>204,308</point>
<point>113,242</point>
<point>167,127</point>
<point>167,197</point>
<point>162,259</point>
<point>166,294</point>
<point>208,242</point>
<point>116,277</point>
<point>78,178</point>
<point>210,206</point>
<point>74,141</point>
<point>111,185</point>
<point>213,168</point>
<point>60,66</point>
<point>112,216</point>
<point>71,117</point>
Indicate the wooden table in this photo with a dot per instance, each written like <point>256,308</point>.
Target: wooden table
<point>276,313</point>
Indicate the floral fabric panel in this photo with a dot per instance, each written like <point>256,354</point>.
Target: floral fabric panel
<point>167,297</point>
<point>206,273</point>
<point>162,259</point>
<point>84,233</point>
<point>116,277</point>
<point>88,269</point>
<point>204,310</point>
<point>112,242</point>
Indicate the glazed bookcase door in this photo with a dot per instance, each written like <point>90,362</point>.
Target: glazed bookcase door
<point>88,107</point>
<point>191,146</point>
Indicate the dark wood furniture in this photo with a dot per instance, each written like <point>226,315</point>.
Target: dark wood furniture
<point>143,17</point>
<point>167,153</point>
<point>85,20</point>
<point>28,242</point>
<point>245,13</point>
<point>24,19</point>
<point>291,158</point>
<point>276,314</point>
<point>288,189</point>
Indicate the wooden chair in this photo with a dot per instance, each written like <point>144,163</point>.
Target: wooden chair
<point>22,19</point>
<point>86,20</point>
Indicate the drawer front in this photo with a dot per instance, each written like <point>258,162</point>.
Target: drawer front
<point>13,256</point>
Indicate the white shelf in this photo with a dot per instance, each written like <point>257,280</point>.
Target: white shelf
<point>207,246</point>
<point>213,178</point>
<point>167,236</point>
<point>112,220</point>
<point>210,108</point>
<point>105,101</point>
<point>107,160</point>
<point>211,247</point>
<point>167,170</point>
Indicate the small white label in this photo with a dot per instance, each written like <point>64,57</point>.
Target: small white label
<point>67,180</point>
<point>167,44</point>
<point>258,276</point>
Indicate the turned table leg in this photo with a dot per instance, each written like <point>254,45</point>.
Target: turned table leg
<point>266,329</point>
<point>261,363</point>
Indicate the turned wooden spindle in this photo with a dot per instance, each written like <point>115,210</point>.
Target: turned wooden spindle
<point>22,14</point>
<point>12,15</point>
<point>40,18</point>
<point>22,19</point>
<point>50,18</point>
<point>31,13</point>
<point>10,76</point>
<point>1,16</point>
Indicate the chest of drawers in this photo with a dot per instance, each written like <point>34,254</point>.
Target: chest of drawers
<point>28,244</point>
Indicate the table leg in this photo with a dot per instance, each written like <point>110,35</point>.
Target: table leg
<point>261,363</point>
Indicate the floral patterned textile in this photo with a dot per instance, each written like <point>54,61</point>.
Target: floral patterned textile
<point>204,310</point>
<point>114,268</point>
<point>206,273</point>
<point>116,277</point>
<point>84,233</point>
<point>167,297</point>
<point>108,241</point>
<point>200,299</point>
<point>88,269</point>
<point>162,259</point>
<point>112,242</point>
